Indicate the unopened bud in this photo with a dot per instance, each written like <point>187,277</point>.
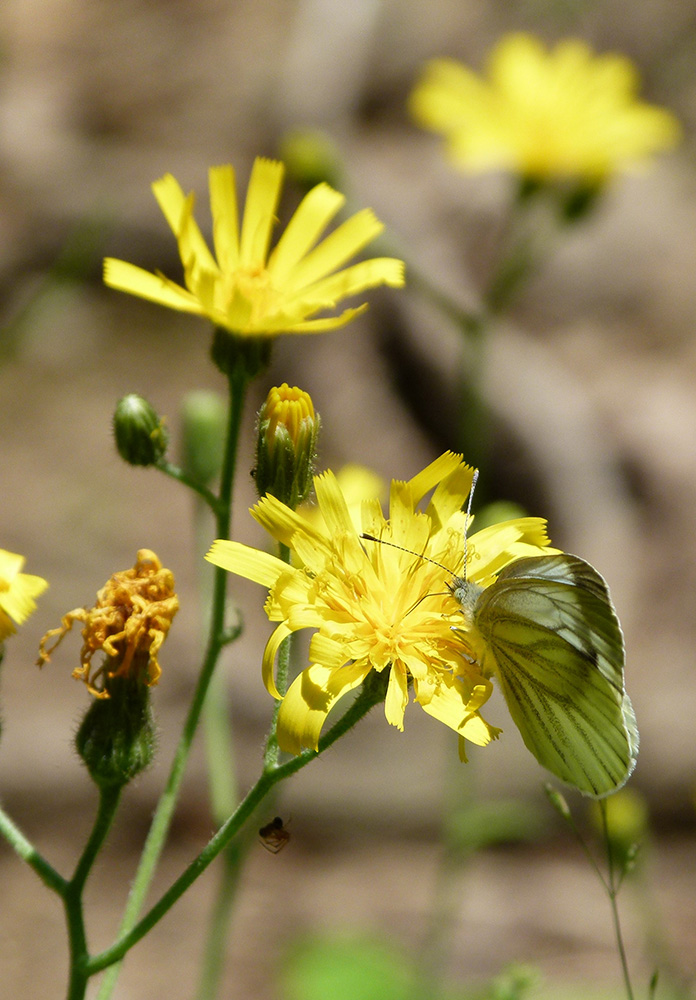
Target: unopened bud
<point>141,437</point>
<point>311,158</point>
<point>286,445</point>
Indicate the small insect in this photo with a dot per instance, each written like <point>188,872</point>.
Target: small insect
<point>548,631</point>
<point>274,836</point>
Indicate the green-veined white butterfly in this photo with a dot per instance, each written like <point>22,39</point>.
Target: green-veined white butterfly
<point>551,636</point>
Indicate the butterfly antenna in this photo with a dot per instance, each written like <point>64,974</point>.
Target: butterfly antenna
<point>467,519</point>
<point>402,548</point>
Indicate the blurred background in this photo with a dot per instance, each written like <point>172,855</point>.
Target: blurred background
<point>590,382</point>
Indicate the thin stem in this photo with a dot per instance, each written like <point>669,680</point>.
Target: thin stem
<point>214,955</point>
<point>370,695</point>
<point>187,479</point>
<point>159,828</point>
<point>72,895</point>
<point>27,852</point>
<point>613,888</point>
<point>224,793</point>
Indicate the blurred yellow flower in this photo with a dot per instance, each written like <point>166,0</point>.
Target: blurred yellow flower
<point>543,114</point>
<point>376,607</point>
<point>245,289</point>
<point>129,623</point>
<point>17,592</point>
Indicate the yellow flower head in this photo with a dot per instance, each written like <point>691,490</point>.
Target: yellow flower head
<point>245,289</point>
<point>375,607</point>
<point>543,114</point>
<point>17,592</point>
<point>129,623</point>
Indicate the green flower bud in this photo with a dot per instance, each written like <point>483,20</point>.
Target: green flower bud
<point>286,445</point>
<point>312,158</point>
<point>203,416</point>
<point>116,739</point>
<point>141,437</point>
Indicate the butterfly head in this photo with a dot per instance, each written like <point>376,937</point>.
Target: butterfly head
<point>466,594</point>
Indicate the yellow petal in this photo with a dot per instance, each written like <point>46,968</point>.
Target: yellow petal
<point>451,704</point>
<point>431,475</point>
<point>18,601</point>
<point>223,208</point>
<point>178,211</point>
<point>450,494</point>
<point>328,652</point>
<point>328,322</point>
<point>262,199</point>
<point>332,504</point>
<point>261,567</point>
<point>269,654</point>
<point>282,522</point>
<point>313,215</point>
<point>351,281</point>
<point>126,277</point>
<point>309,700</point>
<point>397,698</point>
<point>338,247</point>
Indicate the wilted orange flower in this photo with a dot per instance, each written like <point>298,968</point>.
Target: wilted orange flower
<point>129,623</point>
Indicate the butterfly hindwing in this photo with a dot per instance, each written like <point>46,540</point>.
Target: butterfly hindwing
<point>556,646</point>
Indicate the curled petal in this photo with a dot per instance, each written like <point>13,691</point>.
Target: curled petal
<point>269,655</point>
<point>309,700</point>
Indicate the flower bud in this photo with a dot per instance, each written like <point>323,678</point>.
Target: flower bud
<point>311,158</point>
<point>141,437</point>
<point>116,739</point>
<point>203,433</point>
<point>286,445</point>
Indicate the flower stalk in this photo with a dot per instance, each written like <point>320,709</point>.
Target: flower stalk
<point>217,638</point>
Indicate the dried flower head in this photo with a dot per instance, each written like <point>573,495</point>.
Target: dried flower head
<point>129,623</point>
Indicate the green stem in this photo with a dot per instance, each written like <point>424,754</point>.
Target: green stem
<point>187,479</point>
<point>238,381</point>
<point>27,852</point>
<point>371,694</point>
<point>222,782</point>
<point>72,895</point>
<point>613,888</point>
<point>214,954</point>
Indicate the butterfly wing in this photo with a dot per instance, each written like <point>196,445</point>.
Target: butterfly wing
<point>557,649</point>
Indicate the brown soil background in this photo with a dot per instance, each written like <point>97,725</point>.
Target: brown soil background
<point>591,383</point>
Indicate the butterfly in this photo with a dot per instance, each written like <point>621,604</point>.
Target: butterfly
<point>551,636</point>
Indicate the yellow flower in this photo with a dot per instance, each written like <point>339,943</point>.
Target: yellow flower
<point>17,592</point>
<point>565,113</point>
<point>246,289</point>
<point>376,607</point>
<point>129,623</point>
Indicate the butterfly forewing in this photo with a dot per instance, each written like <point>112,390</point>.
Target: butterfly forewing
<point>556,646</point>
